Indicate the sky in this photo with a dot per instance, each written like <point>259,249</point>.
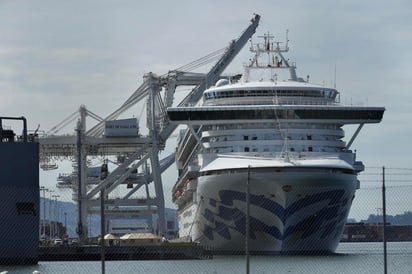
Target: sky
<point>58,55</point>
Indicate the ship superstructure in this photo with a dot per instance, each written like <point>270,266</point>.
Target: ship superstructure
<point>282,136</point>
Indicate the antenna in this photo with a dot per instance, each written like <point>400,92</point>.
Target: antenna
<point>334,80</point>
<point>287,38</point>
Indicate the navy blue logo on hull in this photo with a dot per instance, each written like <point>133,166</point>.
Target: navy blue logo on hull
<point>326,220</point>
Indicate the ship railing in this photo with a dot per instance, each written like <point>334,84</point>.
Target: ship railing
<point>260,101</point>
<point>293,155</point>
<point>191,169</point>
<point>8,135</point>
<point>305,102</point>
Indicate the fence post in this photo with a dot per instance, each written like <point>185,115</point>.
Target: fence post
<point>102,229</point>
<point>385,262</point>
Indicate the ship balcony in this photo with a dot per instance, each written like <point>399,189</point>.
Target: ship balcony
<point>191,172</point>
<point>270,100</point>
<point>338,144</point>
<point>184,193</point>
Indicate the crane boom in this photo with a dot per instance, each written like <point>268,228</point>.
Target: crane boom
<point>231,52</point>
<point>194,96</point>
<point>211,77</point>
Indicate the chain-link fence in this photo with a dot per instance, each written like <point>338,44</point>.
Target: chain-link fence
<point>361,248</point>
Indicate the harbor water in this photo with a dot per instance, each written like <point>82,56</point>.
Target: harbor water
<point>350,258</point>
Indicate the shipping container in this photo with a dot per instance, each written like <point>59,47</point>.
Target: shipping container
<point>122,128</point>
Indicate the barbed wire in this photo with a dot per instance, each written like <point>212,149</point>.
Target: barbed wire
<point>386,173</point>
<point>399,181</point>
<point>387,187</point>
<point>380,167</point>
<point>403,176</point>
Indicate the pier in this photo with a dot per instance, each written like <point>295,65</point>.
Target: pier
<point>176,251</point>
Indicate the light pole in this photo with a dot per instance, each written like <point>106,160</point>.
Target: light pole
<point>50,212</point>
<point>55,217</point>
<point>43,221</point>
<point>65,222</point>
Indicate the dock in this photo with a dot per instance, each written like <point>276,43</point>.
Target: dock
<point>111,253</point>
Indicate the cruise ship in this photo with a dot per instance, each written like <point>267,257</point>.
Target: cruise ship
<point>269,152</point>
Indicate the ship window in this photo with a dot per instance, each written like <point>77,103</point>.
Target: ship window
<point>310,149</point>
<point>287,92</point>
<point>25,208</point>
<point>245,137</point>
<point>246,149</point>
<point>309,137</point>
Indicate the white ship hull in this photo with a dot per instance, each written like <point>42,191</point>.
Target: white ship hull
<point>294,210</point>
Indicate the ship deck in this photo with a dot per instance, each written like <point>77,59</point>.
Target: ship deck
<point>262,113</point>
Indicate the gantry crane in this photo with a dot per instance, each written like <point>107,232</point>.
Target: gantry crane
<point>138,150</point>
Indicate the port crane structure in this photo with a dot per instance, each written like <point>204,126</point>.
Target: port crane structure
<point>137,151</point>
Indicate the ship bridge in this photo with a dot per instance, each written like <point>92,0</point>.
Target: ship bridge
<point>240,114</point>
<point>194,117</point>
